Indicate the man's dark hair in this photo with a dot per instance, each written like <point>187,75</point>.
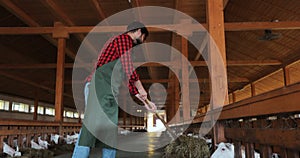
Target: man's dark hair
<point>134,26</point>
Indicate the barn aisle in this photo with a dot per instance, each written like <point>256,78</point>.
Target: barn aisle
<point>151,140</point>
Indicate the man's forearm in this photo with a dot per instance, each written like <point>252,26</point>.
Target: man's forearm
<point>140,88</point>
<point>138,85</point>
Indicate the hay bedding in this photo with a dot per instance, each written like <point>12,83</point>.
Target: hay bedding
<point>187,147</point>
<point>54,150</point>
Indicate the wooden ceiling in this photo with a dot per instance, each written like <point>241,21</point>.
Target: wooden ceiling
<point>27,63</point>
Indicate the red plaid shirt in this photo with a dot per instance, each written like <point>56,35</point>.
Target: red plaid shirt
<point>117,47</point>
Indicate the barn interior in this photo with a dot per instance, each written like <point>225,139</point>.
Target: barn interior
<point>225,69</point>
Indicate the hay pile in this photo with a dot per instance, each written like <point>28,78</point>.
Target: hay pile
<point>187,147</point>
<point>53,151</point>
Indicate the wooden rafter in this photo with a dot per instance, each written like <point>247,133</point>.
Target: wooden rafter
<point>31,22</point>
<point>225,2</point>
<point>63,17</point>
<point>31,83</point>
<point>138,16</point>
<point>99,9</point>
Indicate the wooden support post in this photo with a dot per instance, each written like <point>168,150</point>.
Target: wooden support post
<point>36,103</point>
<point>124,102</point>
<point>286,76</point>
<point>130,122</point>
<point>10,106</point>
<point>233,97</point>
<point>237,149</point>
<point>60,80</point>
<point>185,80</point>
<point>296,154</point>
<point>135,120</point>
<point>253,93</point>
<point>249,150</point>
<point>124,118</point>
<point>176,101</point>
<point>215,21</point>
<point>171,97</point>
<point>266,151</point>
<point>79,117</point>
<point>283,153</point>
<point>61,34</point>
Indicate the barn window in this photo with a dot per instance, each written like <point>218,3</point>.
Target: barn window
<point>76,115</point>
<point>40,110</point>
<point>50,111</point>
<point>20,107</point>
<point>4,105</point>
<point>68,114</point>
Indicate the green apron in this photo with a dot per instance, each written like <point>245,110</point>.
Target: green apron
<point>100,122</point>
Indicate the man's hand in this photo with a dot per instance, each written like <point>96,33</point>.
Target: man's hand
<point>148,104</point>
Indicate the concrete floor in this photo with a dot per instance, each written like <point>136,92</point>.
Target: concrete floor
<point>148,140</point>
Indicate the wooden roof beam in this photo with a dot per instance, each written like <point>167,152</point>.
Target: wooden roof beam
<point>234,26</point>
<point>63,17</point>
<point>193,63</point>
<point>99,9</point>
<point>31,83</point>
<point>9,5</point>
<point>246,26</point>
<point>231,79</point>
<point>138,16</point>
<point>225,2</point>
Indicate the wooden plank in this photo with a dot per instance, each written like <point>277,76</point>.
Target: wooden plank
<point>288,138</point>
<point>283,100</point>
<point>176,109</point>
<point>252,89</point>
<point>161,64</point>
<point>25,131</point>
<point>99,10</point>
<point>233,26</point>
<point>63,17</point>
<point>252,62</point>
<point>14,122</point>
<point>242,26</point>
<point>225,2</point>
<point>286,76</point>
<point>60,80</point>
<point>237,149</point>
<point>9,5</point>
<point>185,90</point>
<point>265,151</point>
<point>283,153</point>
<point>266,104</point>
<point>249,150</point>
<point>130,126</point>
<point>34,84</point>
<point>215,21</point>
<point>130,122</point>
<point>36,103</point>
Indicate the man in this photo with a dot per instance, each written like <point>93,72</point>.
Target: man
<point>113,61</point>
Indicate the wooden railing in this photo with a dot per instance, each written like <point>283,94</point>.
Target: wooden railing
<point>268,123</point>
<point>20,129</point>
